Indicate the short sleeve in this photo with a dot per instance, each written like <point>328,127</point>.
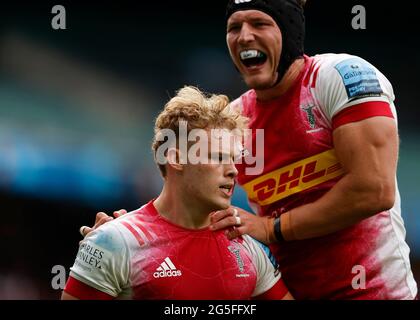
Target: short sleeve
<point>267,273</point>
<point>236,105</point>
<point>344,81</point>
<point>102,261</point>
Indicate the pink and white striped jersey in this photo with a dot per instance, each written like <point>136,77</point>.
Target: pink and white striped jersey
<point>300,166</point>
<point>141,255</point>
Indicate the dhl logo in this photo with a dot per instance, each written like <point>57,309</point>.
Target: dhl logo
<point>294,178</point>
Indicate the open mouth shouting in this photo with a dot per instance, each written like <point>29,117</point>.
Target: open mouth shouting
<point>252,58</point>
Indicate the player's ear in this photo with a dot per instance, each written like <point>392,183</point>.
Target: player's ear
<point>173,159</point>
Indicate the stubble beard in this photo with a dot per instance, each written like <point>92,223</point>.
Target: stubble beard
<point>262,85</point>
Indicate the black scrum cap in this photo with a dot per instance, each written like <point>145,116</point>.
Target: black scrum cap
<point>288,14</point>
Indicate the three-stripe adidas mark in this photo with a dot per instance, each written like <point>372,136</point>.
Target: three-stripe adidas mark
<point>167,269</point>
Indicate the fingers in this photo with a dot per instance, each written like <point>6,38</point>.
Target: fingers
<point>101,218</point>
<point>227,222</point>
<point>225,219</point>
<point>237,217</point>
<point>233,233</point>
<point>219,215</point>
<point>119,213</point>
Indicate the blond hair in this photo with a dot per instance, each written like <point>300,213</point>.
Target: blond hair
<point>199,111</point>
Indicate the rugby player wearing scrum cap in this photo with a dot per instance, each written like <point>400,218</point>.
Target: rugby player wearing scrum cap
<point>327,201</point>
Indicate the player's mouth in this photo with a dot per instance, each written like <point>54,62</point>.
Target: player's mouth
<point>227,189</point>
<point>252,58</point>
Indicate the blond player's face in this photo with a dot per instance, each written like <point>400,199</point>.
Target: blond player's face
<point>212,184</point>
<point>255,43</point>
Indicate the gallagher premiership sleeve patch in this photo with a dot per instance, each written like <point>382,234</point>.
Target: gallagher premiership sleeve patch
<point>359,77</point>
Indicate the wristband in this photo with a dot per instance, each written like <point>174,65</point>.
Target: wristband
<point>277,230</point>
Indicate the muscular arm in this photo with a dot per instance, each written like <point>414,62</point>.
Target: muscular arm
<point>368,152</point>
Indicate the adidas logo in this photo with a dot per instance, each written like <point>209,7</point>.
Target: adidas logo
<point>167,269</point>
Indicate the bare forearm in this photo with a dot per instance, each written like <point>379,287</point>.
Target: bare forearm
<point>346,204</point>
<point>368,151</point>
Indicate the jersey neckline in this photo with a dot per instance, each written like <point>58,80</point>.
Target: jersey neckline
<point>150,207</point>
<point>296,84</point>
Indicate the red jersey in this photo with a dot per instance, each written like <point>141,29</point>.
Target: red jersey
<point>300,166</point>
<point>141,255</point>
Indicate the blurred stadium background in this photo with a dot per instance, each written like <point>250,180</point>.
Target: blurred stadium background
<point>77,108</point>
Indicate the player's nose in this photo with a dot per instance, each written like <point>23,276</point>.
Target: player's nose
<point>246,35</point>
<point>230,170</point>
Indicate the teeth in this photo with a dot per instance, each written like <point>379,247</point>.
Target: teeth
<point>248,54</point>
